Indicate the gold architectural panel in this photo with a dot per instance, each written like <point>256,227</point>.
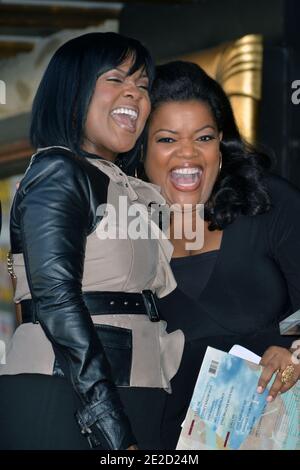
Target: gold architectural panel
<point>237,66</point>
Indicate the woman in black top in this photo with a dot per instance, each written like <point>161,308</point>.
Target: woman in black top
<point>246,276</point>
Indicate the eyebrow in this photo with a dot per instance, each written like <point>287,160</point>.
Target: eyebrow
<point>143,74</point>
<point>119,70</point>
<point>208,126</point>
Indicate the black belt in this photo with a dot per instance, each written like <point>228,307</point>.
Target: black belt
<point>105,303</point>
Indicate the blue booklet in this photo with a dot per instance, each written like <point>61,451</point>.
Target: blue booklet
<point>226,412</point>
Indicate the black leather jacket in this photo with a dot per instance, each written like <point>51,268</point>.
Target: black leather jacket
<point>53,212</point>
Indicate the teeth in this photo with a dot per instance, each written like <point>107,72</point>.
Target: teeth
<point>130,112</point>
<point>186,171</point>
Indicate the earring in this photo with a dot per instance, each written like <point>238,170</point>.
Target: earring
<point>220,163</point>
<point>140,162</point>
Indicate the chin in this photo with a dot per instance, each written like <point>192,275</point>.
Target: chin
<point>126,148</point>
<point>186,199</point>
<point>189,202</point>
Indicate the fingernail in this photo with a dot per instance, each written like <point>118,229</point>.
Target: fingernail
<point>269,398</point>
<point>259,389</point>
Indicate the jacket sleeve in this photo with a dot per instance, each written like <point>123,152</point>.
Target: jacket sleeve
<point>53,205</point>
<point>284,235</point>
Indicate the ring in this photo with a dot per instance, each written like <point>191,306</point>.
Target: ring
<point>288,374</point>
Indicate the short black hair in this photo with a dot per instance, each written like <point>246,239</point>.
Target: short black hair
<point>240,187</point>
<point>64,94</point>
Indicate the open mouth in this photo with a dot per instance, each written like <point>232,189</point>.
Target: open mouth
<point>126,118</point>
<point>186,179</point>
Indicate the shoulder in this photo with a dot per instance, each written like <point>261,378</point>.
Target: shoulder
<point>56,159</point>
<point>281,191</point>
<point>282,220</point>
<point>51,165</point>
<point>54,175</point>
<point>59,165</point>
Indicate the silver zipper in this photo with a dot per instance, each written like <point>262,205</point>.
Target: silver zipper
<point>10,265</point>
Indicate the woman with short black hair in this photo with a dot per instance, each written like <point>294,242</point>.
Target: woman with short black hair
<point>91,343</point>
<point>61,103</point>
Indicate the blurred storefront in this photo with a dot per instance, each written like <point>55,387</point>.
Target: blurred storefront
<point>7,318</point>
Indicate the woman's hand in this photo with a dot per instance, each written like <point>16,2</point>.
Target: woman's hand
<point>282,362</point>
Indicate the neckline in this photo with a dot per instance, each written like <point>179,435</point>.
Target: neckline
<point>220,253</point>
<point>218,250</point>
<point>192,258</point>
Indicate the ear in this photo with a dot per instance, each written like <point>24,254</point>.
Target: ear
<point>220,136</point>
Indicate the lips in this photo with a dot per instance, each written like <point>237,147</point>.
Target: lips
<point>186,179</point>
<point>125,117</point>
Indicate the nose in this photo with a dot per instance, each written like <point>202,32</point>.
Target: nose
<point>131,90</point>
<point>187,149</point>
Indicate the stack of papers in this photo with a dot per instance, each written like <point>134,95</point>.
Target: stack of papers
<point>291,325</point>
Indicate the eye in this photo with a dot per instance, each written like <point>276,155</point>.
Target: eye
<point>166,140</point>
<point>144,87</point>
<point>143,83</point>
<point>205,138</point>
<point>114,79</point>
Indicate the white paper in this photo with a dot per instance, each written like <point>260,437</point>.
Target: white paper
<point>244,353</point>
<point>290,325</point>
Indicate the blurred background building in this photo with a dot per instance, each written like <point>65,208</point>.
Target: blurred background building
<point>252,47</point>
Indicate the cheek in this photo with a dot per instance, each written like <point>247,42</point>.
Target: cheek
<point>94,114</point>
<point>89,123</point>
<point>213,171</point>
<point>213,161</point>
<point>146,110</point>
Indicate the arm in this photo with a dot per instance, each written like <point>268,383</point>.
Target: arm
<point>13,278</point>
<point>284,237</point>
<point>284,240</point>
<point>53,206</point>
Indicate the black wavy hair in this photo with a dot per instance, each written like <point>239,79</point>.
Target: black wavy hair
<point>61,103</point>
<point>239,188</point>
